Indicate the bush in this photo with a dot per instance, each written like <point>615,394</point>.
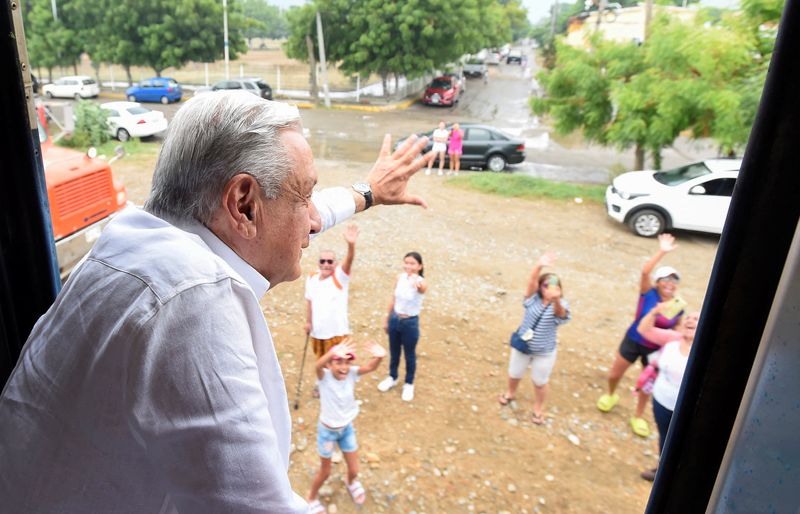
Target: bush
<point>91,126</point>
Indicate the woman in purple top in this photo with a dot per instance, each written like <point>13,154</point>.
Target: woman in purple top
<point>454,148</point>
<point>660,288</point>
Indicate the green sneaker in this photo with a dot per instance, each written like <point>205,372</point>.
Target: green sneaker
<point>607,402</point>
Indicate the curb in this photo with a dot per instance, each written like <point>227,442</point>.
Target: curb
<point>405,104</point>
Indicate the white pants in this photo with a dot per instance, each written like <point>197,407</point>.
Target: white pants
<point>541,366</point>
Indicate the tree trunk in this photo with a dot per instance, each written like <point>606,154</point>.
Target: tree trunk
<point>639,162</point>
<point>75,68</point>
<point>128,74</point>
<point>50,74</point>
<point>656,158</point>
<point>158,71</point>
<point>396,84</point>
<point>96,66</point>
<point>385,83</point>
<point>312,65</point>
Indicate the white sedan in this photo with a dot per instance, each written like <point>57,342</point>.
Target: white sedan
<point>130,119</point>
<point>77,87</point>
<point>692,197</point>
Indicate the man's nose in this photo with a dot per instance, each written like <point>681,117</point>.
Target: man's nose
<point>314,218</point>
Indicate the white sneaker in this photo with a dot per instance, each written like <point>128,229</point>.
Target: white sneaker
<point>408,392</point>
<point>440,173</point>
<point>387,383</point>
<point>428,171</point>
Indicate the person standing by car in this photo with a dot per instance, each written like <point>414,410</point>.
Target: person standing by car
<point>633,345</point>
<point>533,344</point>
<point>440,136</point>
<point>402,323</point>
<point>454,149</point>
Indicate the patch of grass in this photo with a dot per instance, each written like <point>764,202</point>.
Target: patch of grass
<point>522,186</point>
<point>132,147</point>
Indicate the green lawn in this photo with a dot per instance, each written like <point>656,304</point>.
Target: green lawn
<point>521,186</point>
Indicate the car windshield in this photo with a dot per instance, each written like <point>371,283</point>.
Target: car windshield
<point>137,110</point>
<point>682,174</point>
<point>441,84</point>
<point>88,81</point>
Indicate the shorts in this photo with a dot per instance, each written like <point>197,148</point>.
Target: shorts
<point>541,366</point>
<point>631,350</point>
<point>439,147</point>
<point>454,151</point>
<point>328,438</point>
<point>321,346</point>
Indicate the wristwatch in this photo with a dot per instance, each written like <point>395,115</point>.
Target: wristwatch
<point>366,191</point>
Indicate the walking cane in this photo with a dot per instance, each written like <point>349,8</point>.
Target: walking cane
<point>300,377</point>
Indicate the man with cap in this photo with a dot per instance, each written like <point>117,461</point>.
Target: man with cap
<point>660,287</point>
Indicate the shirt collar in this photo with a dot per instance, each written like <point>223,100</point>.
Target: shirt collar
<point>254,279</point>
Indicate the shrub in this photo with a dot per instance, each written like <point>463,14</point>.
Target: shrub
<point>91,126</point>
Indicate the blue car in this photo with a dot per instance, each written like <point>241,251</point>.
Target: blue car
<point>158,89</point>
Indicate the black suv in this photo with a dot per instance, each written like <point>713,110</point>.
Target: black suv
<point>254,85</point>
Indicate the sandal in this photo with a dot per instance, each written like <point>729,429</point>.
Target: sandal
<point>504,399</point>
<point>316,507</point>
<point>607,402</point>
<point>357,492</point>
<point>640,427</point>
<point>537,419</point>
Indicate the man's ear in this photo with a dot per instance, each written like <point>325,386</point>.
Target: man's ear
<point>240,201</point>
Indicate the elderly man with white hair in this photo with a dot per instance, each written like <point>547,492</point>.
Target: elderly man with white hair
<point>152,383</point>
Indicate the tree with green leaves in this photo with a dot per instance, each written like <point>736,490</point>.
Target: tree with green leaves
<point>51,42</point>
<point>263,20</point>
<point>685,77</point>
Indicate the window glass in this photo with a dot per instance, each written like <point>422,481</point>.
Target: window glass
<point>138,110</point>
<point>249,85</point>
<point>111,113</point>
<point>682,174</point>
<point>262,85</point>
<point>172,83</point>
<point>441,84</point>
<point>478,134</point>
<point>158,83</point>
<point>719,187</point>
<point>88,82</point>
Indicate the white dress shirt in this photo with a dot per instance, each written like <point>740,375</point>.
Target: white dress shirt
<point>407,299</point>
<point>152,384</point>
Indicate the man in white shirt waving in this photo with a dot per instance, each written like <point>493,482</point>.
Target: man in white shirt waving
<point>326,296</point>
<point>152,383</point>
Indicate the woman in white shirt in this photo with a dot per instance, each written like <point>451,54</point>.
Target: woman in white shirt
<point>402,323</point>
<point>440,137</point>
<point>671,362</point>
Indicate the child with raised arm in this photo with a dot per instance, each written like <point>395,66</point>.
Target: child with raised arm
<point>337,378</point>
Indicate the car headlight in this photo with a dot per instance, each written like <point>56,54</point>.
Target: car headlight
<point>629,196</point>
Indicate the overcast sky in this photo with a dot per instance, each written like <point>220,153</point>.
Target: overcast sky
<point>537,9</point>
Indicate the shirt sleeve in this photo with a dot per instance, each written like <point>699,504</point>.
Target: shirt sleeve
<point>335,205</point>
<point>341,276</point>
<point>561,321</point>
<point>354,373</point>
<point>197,406</point>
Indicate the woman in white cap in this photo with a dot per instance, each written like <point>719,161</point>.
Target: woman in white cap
<point>661,287</point>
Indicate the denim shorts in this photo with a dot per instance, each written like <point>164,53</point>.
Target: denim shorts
<point>328,438</point>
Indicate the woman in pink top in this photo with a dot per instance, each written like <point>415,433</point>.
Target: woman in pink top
<point>454,149</point>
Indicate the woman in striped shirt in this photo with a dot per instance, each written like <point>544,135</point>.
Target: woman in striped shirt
<point>534,342</point>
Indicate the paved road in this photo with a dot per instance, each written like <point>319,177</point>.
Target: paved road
<point>503,102</point>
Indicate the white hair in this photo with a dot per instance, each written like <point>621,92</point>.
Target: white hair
<point>212,138</point>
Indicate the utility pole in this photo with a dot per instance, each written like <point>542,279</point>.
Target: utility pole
<point>321,43</point>
<point>601,7</point>
<point>554,21</point>
<point>225,36</point>
<point>648,17</point>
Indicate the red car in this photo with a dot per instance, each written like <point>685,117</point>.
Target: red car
<point>444,90</point>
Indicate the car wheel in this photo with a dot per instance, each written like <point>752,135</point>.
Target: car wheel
<point>164,100</point>
<point>647,223</point>
<point>49,95</point>
<point>496,162</point>
<point>123,135</point>
<point>131,98</point>
<point>78,96</point>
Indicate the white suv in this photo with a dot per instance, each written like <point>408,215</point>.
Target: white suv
<point>77,87</point>
<point>692,197</point>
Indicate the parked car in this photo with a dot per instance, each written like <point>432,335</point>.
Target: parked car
<point>484,146</point>
<point>444,90</point>
<point>493,57</point>
<point>158,89</point>
<point>692,197</point>
<point>514,56</point>
<point>475,68</point>
<point>254,85</point>
<point>130,119</point>
<point>460,78</point>
<point>77,87</point>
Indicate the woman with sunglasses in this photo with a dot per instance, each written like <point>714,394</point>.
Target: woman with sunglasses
<point>533,345</point>
<point>661,287</point>
<point>402,324</point>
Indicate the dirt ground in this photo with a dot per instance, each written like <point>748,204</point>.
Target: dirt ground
<point>454,449</point>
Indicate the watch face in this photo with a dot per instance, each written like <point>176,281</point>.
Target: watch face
<point>362,187</point>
